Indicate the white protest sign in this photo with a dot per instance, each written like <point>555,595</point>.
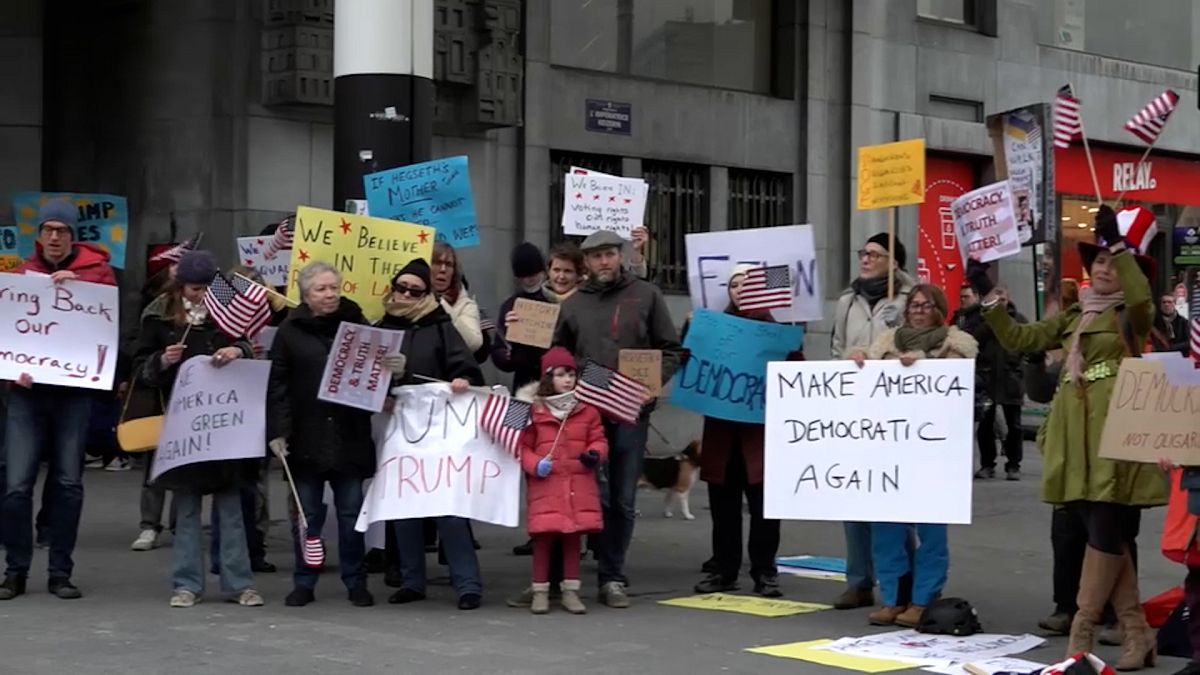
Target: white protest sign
<point>61,334</point>
<point>436,461</point>
<point>354,373</point>
<point>985,223</point>
<point>265,338</point>
<point>274,271</point>
<point>594,201</point>
<point>214,413</point>
<point>712,255</point>
<point>886,443</point>
<point>911,645</point>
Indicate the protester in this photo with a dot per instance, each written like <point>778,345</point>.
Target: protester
<point>1179,544</point>
<point>523,361</point>
<point>433,350</point>
<point>924,335</point>
<point>616,310</point>
<point>458,303</point>
<point>177,327</point>
<point>1170,332</point>
<point>862,313</point>
<point>1111,322</point>
<point>560,452</point>
<point>51,419</point>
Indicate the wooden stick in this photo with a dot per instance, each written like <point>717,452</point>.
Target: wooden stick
<point>1139,163</point>
<point>891,255</point>
<point>302,520</point>
<point>272,291</point>
<point>187,330</point>
<point>1087,152</point>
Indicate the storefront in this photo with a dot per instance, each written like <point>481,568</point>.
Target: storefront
<point>938,259</point>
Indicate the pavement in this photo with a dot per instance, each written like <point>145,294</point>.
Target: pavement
<point>123,625</point>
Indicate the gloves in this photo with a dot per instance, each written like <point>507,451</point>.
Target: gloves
<point>279,447</point>
<point>589,459</point>
<point>977,276</point>
<point>395,363</point>
<point>544,466</point>
<point>1106,226</point>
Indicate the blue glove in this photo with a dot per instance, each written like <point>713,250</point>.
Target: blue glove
<point>544,466</point>
<point>589,459</point>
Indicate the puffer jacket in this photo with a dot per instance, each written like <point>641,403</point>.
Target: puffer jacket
<point>88,262</point>
<point>856,323</point>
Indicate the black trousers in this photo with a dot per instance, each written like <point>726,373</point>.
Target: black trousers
<point>1069,537</point>
<point>1013,441</point>
<point>725,502</point>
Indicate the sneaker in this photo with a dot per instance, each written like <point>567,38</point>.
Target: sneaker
<point>541,599</point>
<point>118,464</point>
<point>1012,474</point>
<point>613,595</point>
<point>469,601</point>
<point>1058,623</point>
<point>299,597</point>
<point>184,599</point>
<point>361,597</point>
<point>854,598</point>
<point>715,583</point>
<point>405,596</point>
<point>146,540</point>
<point>12,587</point>
<point>249,598</point>
<point>521,600</point>
<point>63,588</point>
<point>97,463</point>
<point>768,586</point>
<point>986,473</point>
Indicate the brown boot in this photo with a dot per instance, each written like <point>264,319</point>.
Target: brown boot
<point>1138,646</point>
<point>911,618</point>
<point>1096,582</point>
<point>885,616</point>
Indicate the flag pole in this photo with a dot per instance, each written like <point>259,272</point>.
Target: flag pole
<point>1087,151</point>
<point>1139,163</point>
<point>272,291</point>
<point>891,256</point>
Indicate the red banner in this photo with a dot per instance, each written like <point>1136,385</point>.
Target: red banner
<point>938,259</point>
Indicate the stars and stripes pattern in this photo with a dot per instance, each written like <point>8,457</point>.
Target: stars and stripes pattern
<point>614,394</point>
<point>1149,121</point>
<point>175,253</point>
<point>285,234</point>
<point>504,418</point>
<point>1068,126</point>
<point>313,550</point>
<point>1194,318</point>
<point>237,313</point>
<point>257,295</point>
<point>766,288</point>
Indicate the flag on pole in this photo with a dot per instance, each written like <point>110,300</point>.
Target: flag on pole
<point>175,253</point>
<point>1149,121</point>
<point>766,288</point>
<point>235,313</point>
<point>1194,319</point>
<point>313,550</point>
<point>504,418</point>
<point>256,294</point>
<point>1068,126</point>
<point>284,236</point>
<point>614,394</point>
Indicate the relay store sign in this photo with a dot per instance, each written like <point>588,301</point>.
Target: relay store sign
<point>1130,176</point>
<point>1163,180</point>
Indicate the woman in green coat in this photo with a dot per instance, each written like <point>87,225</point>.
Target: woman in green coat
<point>1111,321</point>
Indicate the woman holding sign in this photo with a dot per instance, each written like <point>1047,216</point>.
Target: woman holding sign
<point>453,296</point>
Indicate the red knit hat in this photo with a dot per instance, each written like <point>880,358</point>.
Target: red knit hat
<point>557,357</point>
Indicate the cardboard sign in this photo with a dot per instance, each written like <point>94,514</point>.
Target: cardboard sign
<point>595,201</point>
<point>367,251</point>
<point>711,256</point>
<point>436,193</point>
<point>274,270</point>
<point>642,365</point>
<point>985,224</point>
<point>214,413</point>
<point>354,373</point>
<point>885,444</point>
<point>103,221</point>
<point>535,323</point>
<point>434,460</point>
<point>891,174</point>
<point>63,334</point>
<point>1154,411</point>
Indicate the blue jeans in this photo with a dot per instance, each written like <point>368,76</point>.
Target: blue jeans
<point>56,419</point>
<point>352,548</point>
<point>455,535</point>
<point>256,544</point>
<point>860,573</point>
<point>618,494</point>
<point>929,563</point>
<point>187,551</point>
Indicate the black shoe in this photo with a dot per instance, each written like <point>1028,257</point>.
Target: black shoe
<point>524,549</point>
<point>715,583</point>
<point>262,567</point>
<point>405,596</point>
<point>475,543</point>
<point>12,587</point>
<point>361,597</point>
<point>375,562</point>
<point>299,597</point>
<point>986,473</point>
<point>42,540</point>
<point>214,570</point>
<point>768,586</point>
<point>392,578</point>
<point>1012,474</point>
<point>63,588</point>
<point>469,601</point>
<point>710,566</point>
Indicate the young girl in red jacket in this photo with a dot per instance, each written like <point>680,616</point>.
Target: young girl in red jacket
<point>560,451</point>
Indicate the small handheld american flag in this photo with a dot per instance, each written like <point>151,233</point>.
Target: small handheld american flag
<point>1149,121</point>
<point>313,550</point>
<point>175,253</point>
<point>238,311</point>
<point>1194,316</point>
<point>285,234</point>
<point>504,418</point>
<point>766,288</point>
<point>614,394</point>
<point>1068,126</point>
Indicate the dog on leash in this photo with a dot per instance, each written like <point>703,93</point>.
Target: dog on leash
<point>675,476</point>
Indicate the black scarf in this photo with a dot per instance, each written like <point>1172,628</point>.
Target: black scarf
<point>872,290</point>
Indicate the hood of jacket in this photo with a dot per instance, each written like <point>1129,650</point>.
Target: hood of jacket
<point>88,261</point>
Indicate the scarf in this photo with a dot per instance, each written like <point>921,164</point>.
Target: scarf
<point>195,312</point>
<point>553,296</point>
<point>413,311</point>
<point>924,340</point>
<point>1093,304</point>
<point>872,290</point>
<point>561,405</point>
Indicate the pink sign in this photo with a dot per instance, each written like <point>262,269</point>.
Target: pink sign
<point>985,224</point>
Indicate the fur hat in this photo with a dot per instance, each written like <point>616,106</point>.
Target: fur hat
<point>418,267</point>
<point>900,255</point>
<point>61,211</point>
<point>196,267</point>
<point>557,357</point>
<point>527,260</point>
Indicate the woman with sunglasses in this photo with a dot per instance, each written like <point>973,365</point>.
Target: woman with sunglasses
<point>924,335</point>
<point>432,349</point>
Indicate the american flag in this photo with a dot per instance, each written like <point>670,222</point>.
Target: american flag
<point>240,312</point>
<point>1149,122</point>
<point>611,392</point>
<point>175,253</point>
<point>313,551</point>
<point>1194,318</point>
<point>1067,124</point>
<point>504,418</point>
<point>766,288</point>
<point>285,234</point>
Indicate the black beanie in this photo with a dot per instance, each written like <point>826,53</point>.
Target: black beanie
<point>899,254</point>
<point>419,268</point>
<point>527,260</point>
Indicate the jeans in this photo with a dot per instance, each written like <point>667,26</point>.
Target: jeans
<point>455,536</point>
<point>348,500</point>
<point>187,552</point>
<point>986,436</point>
<point>153,499</point>
<point>860,570</point>
<point>725,502</point>
<point>256,538</point>
<point>618,494</point>
<point>54,418</point>
<point>929,564</point>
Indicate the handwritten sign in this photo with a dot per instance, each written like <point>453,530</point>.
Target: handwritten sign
<point>891,174</point>
<point>886,443</point>
<point>434,460</point>
<point>1154,412</point>
<point>274,271</point>
<point>535,323</point>
<point>712,255</point>
<point>214,413</point>
<point>367,251</point>
<point>436,193</point>
<point>354,373</point>
<point>985,224</point>
<point>642,365</point>
<point>103,221</point>
<point>725,375</point>
<point>1023,140</point>
<point>10,259</point>
<point>745,604</point>
<point>594,201</point>
<point>62,334</point>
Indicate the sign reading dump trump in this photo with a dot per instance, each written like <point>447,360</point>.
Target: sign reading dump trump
<point>882,444</point>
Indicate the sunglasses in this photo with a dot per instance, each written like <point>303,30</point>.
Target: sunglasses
<point>409,290</point>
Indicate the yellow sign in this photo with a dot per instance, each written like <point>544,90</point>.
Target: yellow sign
<point>9,262</point>
<point>745,604</point>
<point>365,251</point>
<point>806,651</point>
<point>892,174</point>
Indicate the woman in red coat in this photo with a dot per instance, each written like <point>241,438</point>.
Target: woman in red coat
<point>560,451</point>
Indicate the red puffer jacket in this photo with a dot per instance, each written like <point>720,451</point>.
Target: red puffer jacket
<point>567,500</point>
<point>86,261</point>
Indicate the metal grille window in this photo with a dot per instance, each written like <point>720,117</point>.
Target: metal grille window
<point>759,199</point>
<point>560,163</point>
<point>677,205</point>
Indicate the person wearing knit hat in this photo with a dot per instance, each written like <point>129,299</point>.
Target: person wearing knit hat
<point>900,254</point>
<point>529,273</point>
<point>196,267</point>
<point>59,255</point>
<point>528,265</point>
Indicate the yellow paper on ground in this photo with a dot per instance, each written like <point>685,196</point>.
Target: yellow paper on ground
<point>745,604</point>
<point>805,651</point>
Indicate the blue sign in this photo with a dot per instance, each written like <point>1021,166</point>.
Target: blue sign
<point>103,221</point>
<point>437,194</point>
<point>609,117</point>
<point>726,370</point>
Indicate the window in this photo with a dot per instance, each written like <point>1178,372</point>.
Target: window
<point>950,11</point>
<point>1161,33</point>
<point>676,205</point>
<point>560,164</point>
<point>759,199</point>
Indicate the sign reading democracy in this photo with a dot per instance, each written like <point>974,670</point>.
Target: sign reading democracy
<point>725,374</point>
<point>887,443</point>
<point>365,250</point>
<point>354,374</point>
<point>985,224</point>
<point>250,254</point>
<point>62,334</point>
<point>712,255</point>
<point>594,201</point>
<point>214,413</point>
<point>1154,411</point>
<point>435,193</point>
<point>891,174</point>
<point>435,460</point>
<point>103,221</point>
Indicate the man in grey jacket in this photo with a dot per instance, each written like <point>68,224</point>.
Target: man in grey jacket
<point>615,310</point>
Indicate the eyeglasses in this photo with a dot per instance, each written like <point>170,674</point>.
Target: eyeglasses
<point>921,307</point>
<point>870,255</point>
<point>49,230</point>
<point>449,264</point>
<point>411,292</point>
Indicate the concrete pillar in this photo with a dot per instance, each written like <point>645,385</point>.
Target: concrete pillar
<point>718,198</point>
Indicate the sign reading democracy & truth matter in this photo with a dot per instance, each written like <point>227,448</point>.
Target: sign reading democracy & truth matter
<point>985,223</point>
<point>435,193</point>
<point>354,374</point>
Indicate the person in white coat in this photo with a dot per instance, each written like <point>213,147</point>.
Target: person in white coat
<point>448,285</point>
